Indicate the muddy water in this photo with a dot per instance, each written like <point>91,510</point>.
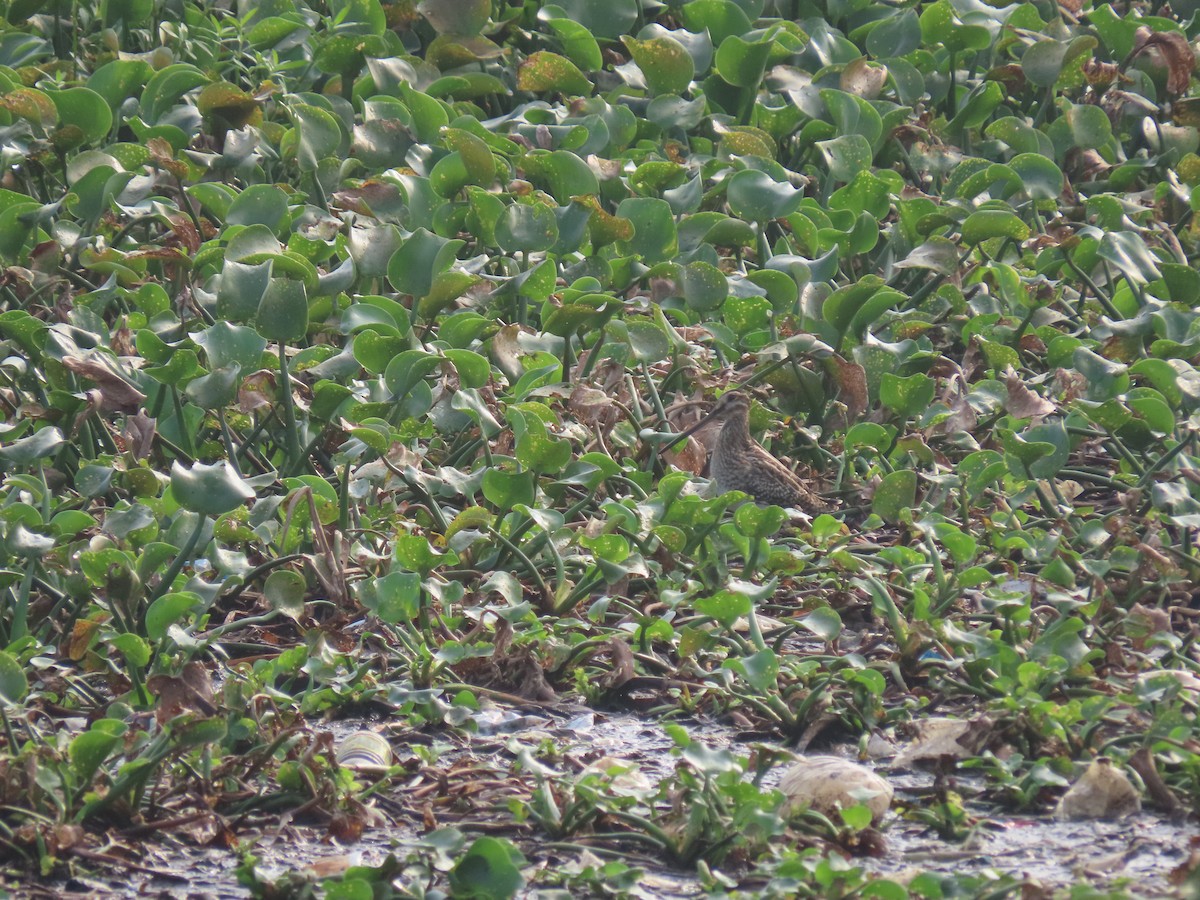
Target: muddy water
<point>1138,852</point>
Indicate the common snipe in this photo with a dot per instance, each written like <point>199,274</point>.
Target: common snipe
<point>739,463</point>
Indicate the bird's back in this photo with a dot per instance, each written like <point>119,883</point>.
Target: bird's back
<point>740,464</point>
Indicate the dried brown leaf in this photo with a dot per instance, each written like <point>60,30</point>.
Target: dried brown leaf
<point>864,79</point>
<point>851,379</point>
<point>689,456</point>
<point>257,391</point>
<point>592,406</point>
<point>139,434</point>
<point>962,415</point>
<point>622,665</point>
<point>191,691</point>
<point>115,393</point>
<point>1022,403</point>
<point>1173,49</point>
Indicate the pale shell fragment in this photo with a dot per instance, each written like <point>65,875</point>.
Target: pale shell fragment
<point>940,738</point>
<point>1102,792</point>
<point>829,783</point>
<point>364,751</point>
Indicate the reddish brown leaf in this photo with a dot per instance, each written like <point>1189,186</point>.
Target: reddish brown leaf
<point>1022,403</point>
<point>1173,49</point>
<point>115,393</point>
<point>851,379</point>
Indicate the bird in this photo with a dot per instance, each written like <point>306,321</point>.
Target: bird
<point>740,463</point>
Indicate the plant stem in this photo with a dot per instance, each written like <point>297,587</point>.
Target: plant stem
<point>289,409</point>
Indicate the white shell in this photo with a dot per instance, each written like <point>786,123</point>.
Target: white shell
<point>364,751</point>
<point>830,783</point>
<point>939,738</point>
<point>1102,792</point>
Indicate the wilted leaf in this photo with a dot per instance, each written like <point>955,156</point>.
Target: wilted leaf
<point>1022,403</point>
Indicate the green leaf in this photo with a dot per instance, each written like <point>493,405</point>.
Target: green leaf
<point>1089,126</point>
<point>741,62</point>
<point>259,204</point>
<point>283,311</point>
<point>394,598</point>
<point>535,448</point>
<point>938,254</point>
<point>85,113</point>
<point>824,622</point>
<point>419,259</point>
<point>505,490</point>
<point>907,396</point>
<point>210,490</point>
<point>724,606</point>
<point>526,227</point>
<point>27,450</point>
<point>758,521</point>
<point>170,609</point>
<point>489,870</point>
<point>703,285</point>
<point>577,42</point>
<point>655,238</point>
<point>165,88</point>
<point>1128,252</point>
<point>284,589</point>
<point>374,350</point>
<point>231,346</point>
<point>319,135</point>
<point>546,72</point>
<point>561,173</point>
<point>720,18</point>
<point>846,155</point>
<point>133,647</point>
<point>476,155</point>
<point>606,19</point>
<point>414,552</point>
<point>127,13</point>
<point>1040,177</point>
<point>896,493</point>
<point>760,669</point>
<point>226,105</point>
<point>755,196</point>
<point>897,35</point>
<point>13,683</point>
<point>89,750</point>
<point>407,369</point>
<point>986,224</point>
<point>648,341</point>
<point>667,66</point>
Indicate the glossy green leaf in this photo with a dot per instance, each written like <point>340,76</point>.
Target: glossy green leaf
<point>526,227</point>
<point>846,155</point>
<point>986,224</point>
<point>741,62</point>
<point>14,685</point>
<point>547,72</point>
<point>283,311</point>
<point>896,493</point>
<point>210,490</point>
<point>419,260</point>
<point>755,196</point>
<point>665,63</point>
<point>606,19</point>
<point>284,589</point>
<point>489,870</point>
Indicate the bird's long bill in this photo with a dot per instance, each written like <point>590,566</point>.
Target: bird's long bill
<point>683,435</point>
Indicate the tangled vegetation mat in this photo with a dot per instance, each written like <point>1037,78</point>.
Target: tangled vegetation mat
<point>341,348</point>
